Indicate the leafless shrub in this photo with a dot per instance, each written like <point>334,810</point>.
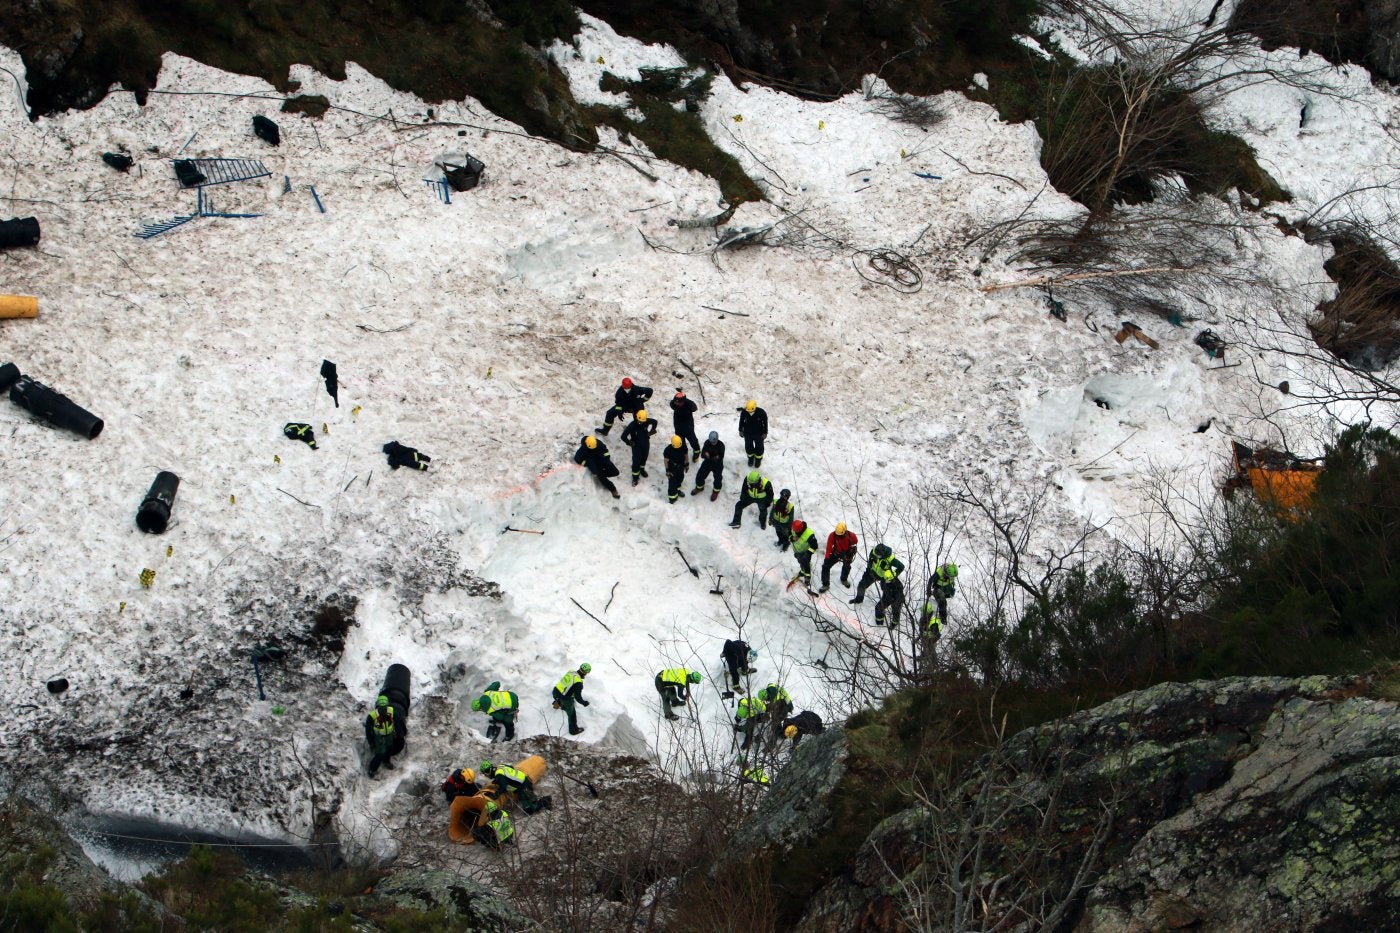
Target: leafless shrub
<point>905,108</point>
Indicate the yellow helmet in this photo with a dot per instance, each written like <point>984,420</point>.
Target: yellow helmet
<point>840,528</point>
<point>590,442</point>
<point>750,405</point>
<point>468,775</point>
<point>675,440</point>
<point>790,732</point>
<point>641,414</point>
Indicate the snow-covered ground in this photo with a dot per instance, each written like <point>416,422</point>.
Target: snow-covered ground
<point>490,334</point>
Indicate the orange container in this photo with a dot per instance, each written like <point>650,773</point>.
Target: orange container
<point>18,306</point>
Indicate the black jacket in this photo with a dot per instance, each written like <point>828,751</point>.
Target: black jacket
<point>683,410</point>
<point>753,424</point>
<point>638,435</point>
<point>630,400</point>
<point>597,460</point>
<point>677,462</point>
<point>713,450</point>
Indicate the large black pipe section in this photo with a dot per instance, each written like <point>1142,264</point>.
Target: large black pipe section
<point>397,681</point>
<point>154,514</point>
<point>54,407</point>
<point>9,375</point>
<point>22,231</point>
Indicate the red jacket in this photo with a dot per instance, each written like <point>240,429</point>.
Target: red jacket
<point>841,547</point>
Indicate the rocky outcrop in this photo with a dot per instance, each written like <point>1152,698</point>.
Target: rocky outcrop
<point>1250,803</point>
<point>798,805</point>
<point>461,900</point>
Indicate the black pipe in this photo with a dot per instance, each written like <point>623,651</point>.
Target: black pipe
<point>397,681</point>
<point>54,407</point>
<point>154,513</point>
<point>9,375</point>
<point>22,231</point>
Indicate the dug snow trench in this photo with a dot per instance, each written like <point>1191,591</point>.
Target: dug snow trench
<point>489,333</point>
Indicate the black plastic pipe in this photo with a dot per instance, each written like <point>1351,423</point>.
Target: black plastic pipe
<point>22,231</point>
<point>54,407</point>
<point>154,514</point>
<point>9,375</point>
<point>397,681</point>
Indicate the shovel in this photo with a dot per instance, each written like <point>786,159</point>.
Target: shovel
<point>593,791</point>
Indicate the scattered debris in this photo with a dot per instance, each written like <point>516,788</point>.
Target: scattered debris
<point>1129,329</point>
<point>590,615</point>
<point>57,685</point>
<point>523,531</point>
<point>14,307</point>
<point>1209,341</point>
<point>714,220</point>
<point>266,130</point>
<point>19,231</point>
<point>300,431</point>
<point>1277,477</point>
<point>154,514</point>
<point>332,383</point>
<point>399,455</point>
<point>118,160</point>
<point>461,171</point>
<point>693,572</point>
<point>54,407</point>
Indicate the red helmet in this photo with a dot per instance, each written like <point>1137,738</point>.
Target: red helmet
<point>680,393</point>
<point>799,526</point>
<point>626,383</point>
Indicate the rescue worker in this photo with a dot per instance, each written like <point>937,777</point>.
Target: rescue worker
<point>941,588</point>
<point>781,518</point>
<point>674,686</point>
<point>379,732</point>
<point>509,780</point>
<point>713,455</point>
<point>886,568</point>
<point>750,714</point>
<point>638,435</point>
<point>569,691</point>
<point>932,624</point>
<point>500,707</point>
<point>753,774</point>
<point>496,828</point>
<point>779,704</point>
<point>683,421</point>
<point>460,783</point>
<point>804,545</point>
<point>676,467</point>
<point>593,454</point>
<point>756,490</point>
<point>738,658</point>
<point>804,723</point>
<point>753,427</point>
<point>627,400</point>
<point>840,549</point>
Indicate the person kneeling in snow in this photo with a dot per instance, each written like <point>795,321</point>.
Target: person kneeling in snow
<point>500,706</point>
<point>674,686</point>
<point>593,454</point>
<point>399,455</point>
<point>495,829</point>
<point>510,780</point>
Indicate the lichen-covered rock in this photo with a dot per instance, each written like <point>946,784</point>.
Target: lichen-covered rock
<point>797,805</point>
<point>460,898</point>
<point>1249,803</point>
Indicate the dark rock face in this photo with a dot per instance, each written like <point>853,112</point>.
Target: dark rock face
<point>797,805</point>
<point>1250,803</point>
<point>1383,56</point>
<point>460,898</point>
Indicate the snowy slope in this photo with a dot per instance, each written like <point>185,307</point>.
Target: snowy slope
<point>490,334</point>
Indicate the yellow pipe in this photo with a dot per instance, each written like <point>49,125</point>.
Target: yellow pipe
<point>18,306</point>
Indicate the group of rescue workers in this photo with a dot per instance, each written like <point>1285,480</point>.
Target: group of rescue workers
<point>882,566</point>
<point>770,706</point>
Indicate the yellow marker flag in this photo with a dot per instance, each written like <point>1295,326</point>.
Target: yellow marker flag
<point>821,124</point>
<point>600,59</point>
<point>738,118</point>
<point>169,550</point>
<point>231,500</point>
<point>325,428</point>
<point>121,607</point>
<point>148,576</point>
<point>276,458</point>
<point>355,410</point>
<point>488,371</point>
